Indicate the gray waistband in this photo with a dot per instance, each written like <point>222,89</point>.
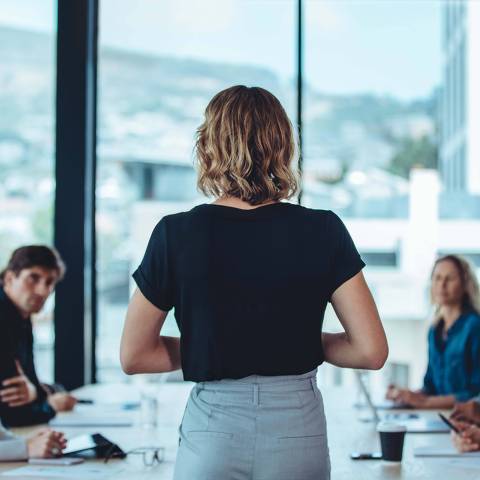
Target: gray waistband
<point>279,382</point>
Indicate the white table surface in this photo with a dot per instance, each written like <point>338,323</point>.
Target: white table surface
<point>346,434</point>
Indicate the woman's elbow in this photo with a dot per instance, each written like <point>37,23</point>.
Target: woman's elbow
<point>376,358</point>
<point>129,369</point>
<point>128,363</point>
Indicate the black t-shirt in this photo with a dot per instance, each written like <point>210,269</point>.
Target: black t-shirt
<point>249,287</point>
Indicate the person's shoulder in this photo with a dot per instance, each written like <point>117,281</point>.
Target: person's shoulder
<point>185,217</point>
<point>473,319</point>
<point>173,219</point>
<point>328,219</point>
<point>310,213</point>
<point>432,329</point>
<point>3,299</point>
<point>175,222</point>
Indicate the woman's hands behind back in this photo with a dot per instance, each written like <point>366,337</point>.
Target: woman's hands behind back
<point>363,344</point>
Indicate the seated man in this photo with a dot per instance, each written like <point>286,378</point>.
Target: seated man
<point>25,284</point>
<point>42,444</point>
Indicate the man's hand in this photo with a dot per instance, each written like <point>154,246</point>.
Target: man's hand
<point>45,444</point>
<point>467,411</point>
<point>62,402</point>
<point>18,390</point>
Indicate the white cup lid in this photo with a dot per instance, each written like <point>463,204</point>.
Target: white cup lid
<point>391,427</point>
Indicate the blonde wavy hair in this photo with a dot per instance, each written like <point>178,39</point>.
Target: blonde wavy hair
<point>245,147</point>
<point>471,291</point>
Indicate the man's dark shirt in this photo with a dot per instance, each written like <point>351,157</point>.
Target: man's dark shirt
<point>16,343</point>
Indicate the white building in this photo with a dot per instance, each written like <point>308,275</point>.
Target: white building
<point>460,97</point>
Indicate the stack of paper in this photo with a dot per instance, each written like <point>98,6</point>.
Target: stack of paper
<point>443,451</point>
<point>93,416</point>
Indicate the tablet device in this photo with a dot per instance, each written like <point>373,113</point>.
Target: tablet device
<point>94,443</point>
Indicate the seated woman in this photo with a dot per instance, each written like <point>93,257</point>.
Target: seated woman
<point>453,372</point>
<point>44,443</point>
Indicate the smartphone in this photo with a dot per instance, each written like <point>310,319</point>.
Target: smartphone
<point>366,456</point>
<point>449,423</point>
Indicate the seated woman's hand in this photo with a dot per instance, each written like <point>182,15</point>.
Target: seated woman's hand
<point>407,397</point>
<point>392,392</point>
<point>413,399</point>
<point>466,411</point>
<point>45,444</point>
<point>468,440</point>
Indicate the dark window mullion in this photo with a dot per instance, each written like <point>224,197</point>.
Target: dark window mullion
<point>74,222</point>
<point>300,93</point>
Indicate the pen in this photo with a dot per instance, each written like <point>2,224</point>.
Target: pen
<point>449,423</point>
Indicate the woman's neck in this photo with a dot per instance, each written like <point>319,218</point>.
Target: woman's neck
<point>450,314</point>
<point>238,203</point>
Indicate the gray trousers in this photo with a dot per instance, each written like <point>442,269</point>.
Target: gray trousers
<point>255,428</point>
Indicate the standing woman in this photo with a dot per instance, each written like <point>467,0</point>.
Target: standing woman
<point>249,277</point>
<point>453,372</point>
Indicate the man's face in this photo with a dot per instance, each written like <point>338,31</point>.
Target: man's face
<point>30,288</point>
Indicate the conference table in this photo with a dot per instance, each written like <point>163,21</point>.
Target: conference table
<point>346,434</point>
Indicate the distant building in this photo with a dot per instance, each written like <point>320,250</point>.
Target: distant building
<point>460,98</point>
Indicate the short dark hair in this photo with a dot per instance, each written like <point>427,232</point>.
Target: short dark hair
<point>34,256</point>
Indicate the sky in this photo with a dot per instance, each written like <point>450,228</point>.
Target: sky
<point>385,47</point>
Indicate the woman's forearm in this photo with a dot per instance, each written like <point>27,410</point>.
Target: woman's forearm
<point>363,343</point>
<point>440,401</point>
<point>170,347</point>
<point>142,348</point>
<point>162,356</point>
<point>340,351</point>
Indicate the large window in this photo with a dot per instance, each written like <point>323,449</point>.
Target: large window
<point>158,68</point>
<point>390,136</point>
<point>27,122</point>
<point>380,101</point>
<point>378,145</point>
<point>373,72</point>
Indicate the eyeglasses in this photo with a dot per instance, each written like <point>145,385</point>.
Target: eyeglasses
<point>151,455</point>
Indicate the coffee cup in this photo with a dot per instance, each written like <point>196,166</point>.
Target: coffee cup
<point>392,436</point>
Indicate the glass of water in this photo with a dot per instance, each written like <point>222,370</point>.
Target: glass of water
<point>148,406</point>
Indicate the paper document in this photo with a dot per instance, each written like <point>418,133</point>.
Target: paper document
<point>84,421</point>
<point>459,462</point>
<point>85,471</point>
<point>443,451</point>
<point>93,416</point>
